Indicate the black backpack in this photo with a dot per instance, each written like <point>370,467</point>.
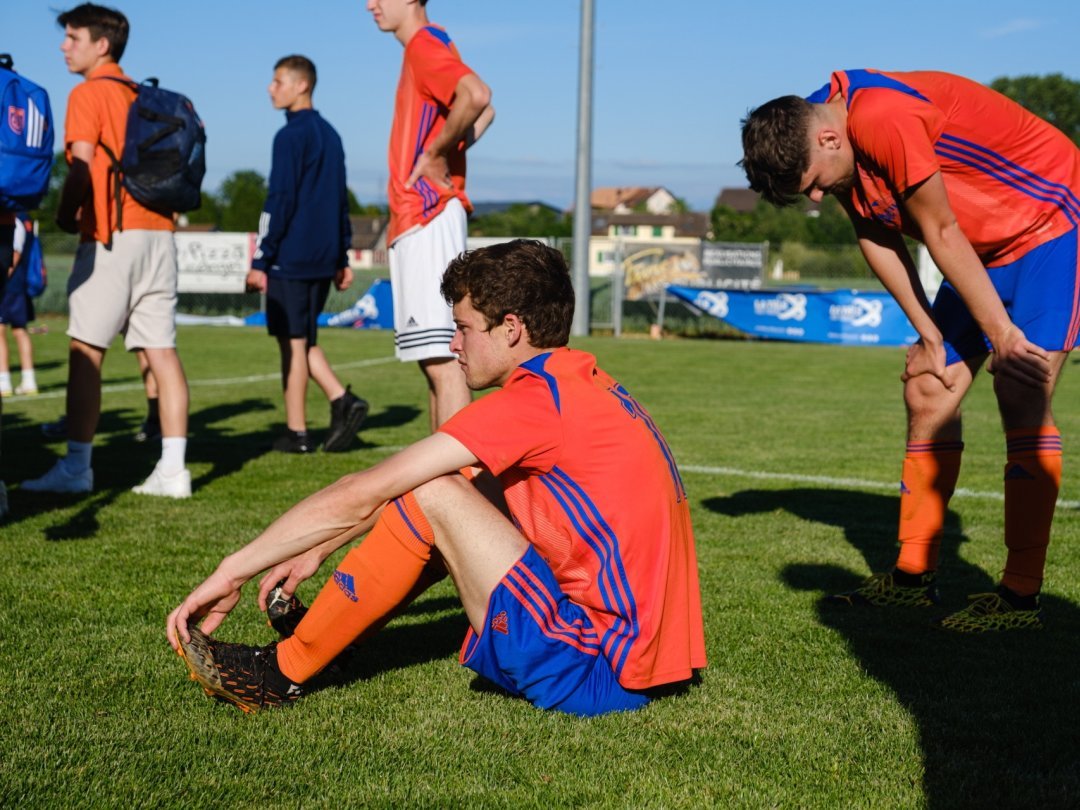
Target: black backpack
<point>164,157</point>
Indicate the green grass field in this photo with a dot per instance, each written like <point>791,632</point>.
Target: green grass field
<point>791,455</point>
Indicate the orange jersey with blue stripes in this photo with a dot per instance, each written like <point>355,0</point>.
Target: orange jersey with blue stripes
<point>593,485</point>
<point>1013,180</point>
<point>429,76</point>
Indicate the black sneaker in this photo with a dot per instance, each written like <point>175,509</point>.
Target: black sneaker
<point>347,413</point>
<point>284,614</point>
<point>149,431</point>
<point>55,430</point>
<point>247,677</point>
<point>294,442</point>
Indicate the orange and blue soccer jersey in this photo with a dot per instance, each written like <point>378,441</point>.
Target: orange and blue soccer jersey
<point>1013,180</point>
<point>429,76</point>
<point>592,484</point>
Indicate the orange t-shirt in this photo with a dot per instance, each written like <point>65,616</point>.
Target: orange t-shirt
<point>430,73</point>
<point>593,486</point>
<point>97,113</point>
<point>1013,180</point>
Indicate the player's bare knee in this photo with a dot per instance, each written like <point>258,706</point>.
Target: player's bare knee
<point>444,494</point>
<point>925,395</point>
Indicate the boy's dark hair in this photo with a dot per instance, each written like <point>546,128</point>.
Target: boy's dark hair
<point>776,148</point>
<point>299,64</point>
<point>102,22</point>
<point>523,277</point>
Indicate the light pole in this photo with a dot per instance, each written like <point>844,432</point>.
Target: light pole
<point>583,190</point>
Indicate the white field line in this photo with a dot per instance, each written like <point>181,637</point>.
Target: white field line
<point>253,378</point>
<point>821,480</point>
<point>850,483</point>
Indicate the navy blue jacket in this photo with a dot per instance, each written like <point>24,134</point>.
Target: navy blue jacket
<point>304,230</point>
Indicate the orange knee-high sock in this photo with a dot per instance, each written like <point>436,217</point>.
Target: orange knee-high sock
<point>1032,482</point>
<point>390,568</point>
<point>926,484</point>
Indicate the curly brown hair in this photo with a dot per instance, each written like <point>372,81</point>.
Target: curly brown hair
<point>776,148</point>
<point>523,277</point>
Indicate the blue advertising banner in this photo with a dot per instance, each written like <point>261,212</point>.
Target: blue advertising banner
<point>374,310</point>
<point>827,316</point>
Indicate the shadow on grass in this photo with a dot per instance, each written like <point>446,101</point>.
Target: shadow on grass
<point>997,714</point>
<point>405,645</point>
<point>120,463</point>
<point>392,416</point>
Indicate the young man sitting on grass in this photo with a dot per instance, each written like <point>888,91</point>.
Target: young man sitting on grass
<point>578,577</point>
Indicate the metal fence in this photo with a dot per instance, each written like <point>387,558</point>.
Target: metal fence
<point>59,252</point>
<point>616,301</point>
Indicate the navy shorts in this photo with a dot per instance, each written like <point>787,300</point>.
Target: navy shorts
<point>16,309</point>
<point>1040,292</point>
<point>293,306</point>
<point>7,252</point>
<point>540,645</point>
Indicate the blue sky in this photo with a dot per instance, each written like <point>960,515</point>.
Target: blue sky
<point>672,78</point>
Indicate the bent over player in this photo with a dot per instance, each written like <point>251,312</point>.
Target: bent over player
<point>992,191</point>
<point>583,600</point>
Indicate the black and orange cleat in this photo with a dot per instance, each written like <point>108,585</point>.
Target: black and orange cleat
<point>284,614</point>
<point>247,677</point>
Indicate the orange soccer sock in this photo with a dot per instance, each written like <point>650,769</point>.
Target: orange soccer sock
<point>926,484</point>
<point>1032,482</point>
<point>392,566</point>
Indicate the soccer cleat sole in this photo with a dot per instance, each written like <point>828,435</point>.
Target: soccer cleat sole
<point>858,600</point>
<point>200,663</point>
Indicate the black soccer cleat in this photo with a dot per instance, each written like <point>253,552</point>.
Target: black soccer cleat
<point>247,677</point>
<point>886,589</point>
<point>284,614</point>
<point>347,413</point>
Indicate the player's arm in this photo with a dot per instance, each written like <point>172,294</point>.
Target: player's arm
<point>480,126</point>
<point>471,105</point>
<point>76,186</point>
<point>343,279</point>
<point>279,208</point>
<point>890,260</point>
<point>306,565</point>
<point>1014,355</point>
<point>17,247</point>
<point>335,514</point>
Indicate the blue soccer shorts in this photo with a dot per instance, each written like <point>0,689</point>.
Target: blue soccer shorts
<point>1040,292</point>
<point>16,309</point>
<point>293,307</point>
<point>541,646</point>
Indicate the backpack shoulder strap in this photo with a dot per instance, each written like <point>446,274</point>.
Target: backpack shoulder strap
<point>118,187</point>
